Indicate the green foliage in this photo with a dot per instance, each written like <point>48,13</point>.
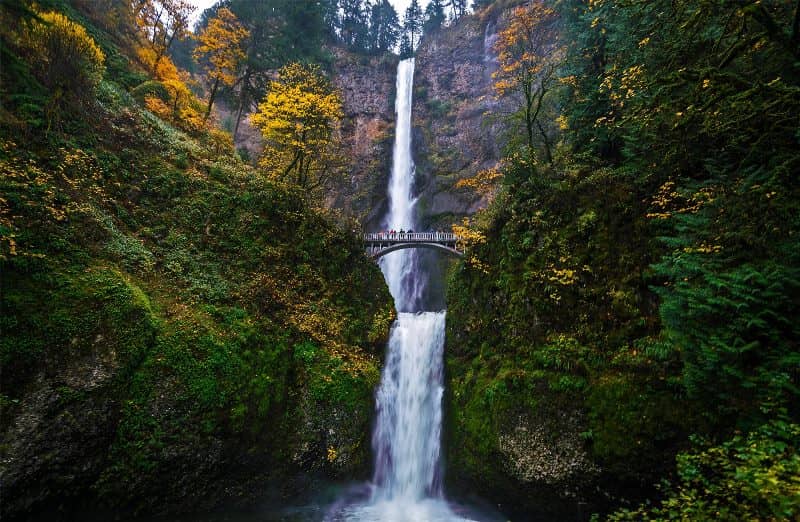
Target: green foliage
<point>150,88</point>
<point>750,477</point>
<point>439,108</point>
<point>281,31</point>
<point>52,317</point>
<point>651,271</point>
<point>194,281</point>
<point>734,326</point>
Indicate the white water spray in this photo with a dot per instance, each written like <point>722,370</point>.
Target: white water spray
<point>408,431</point>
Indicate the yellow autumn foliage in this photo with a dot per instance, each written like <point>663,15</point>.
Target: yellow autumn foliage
<point>484,182</point>
<point>220,44</point>
<point>181,106</point>
<point>468,237</point>
<point>298,119</point>
<point>524,47</point>
<point>62,56</point>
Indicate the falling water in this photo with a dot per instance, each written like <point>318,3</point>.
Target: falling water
<point>400,268</point>
<point>489,41</point>
<point>407,437</point>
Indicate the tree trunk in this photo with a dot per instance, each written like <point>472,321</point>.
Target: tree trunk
<point>548,155</point>
<point>529,116</point>
<point>211,97</point>
<point>242,96</point>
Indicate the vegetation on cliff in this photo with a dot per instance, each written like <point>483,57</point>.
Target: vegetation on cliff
<point>178,328</point>
<point>643,285</point>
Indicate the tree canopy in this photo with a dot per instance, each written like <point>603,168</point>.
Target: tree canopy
<point>529,55</point>
<point>298,118</point>
<point>221,47</point>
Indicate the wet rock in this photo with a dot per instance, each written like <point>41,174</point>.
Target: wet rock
<point>535,454</point>
<point>367,86</point>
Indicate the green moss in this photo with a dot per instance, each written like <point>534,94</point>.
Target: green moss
<point>59,316</point>
<point>546,327</point>
<point>224,307</point>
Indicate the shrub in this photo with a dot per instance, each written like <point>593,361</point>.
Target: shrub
<point>64,58</point>
<point>750,477</point>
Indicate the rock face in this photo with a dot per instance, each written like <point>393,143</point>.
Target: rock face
<point>456,131</point>
<point>520,447</point>
<point>367,88</point>
<point>367,85</point>
<point>533,454</point>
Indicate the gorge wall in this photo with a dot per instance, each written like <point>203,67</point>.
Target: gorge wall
<point>367,85</point>
<point>515,436</point>
<point>169,339</point>
<point>457,129</point>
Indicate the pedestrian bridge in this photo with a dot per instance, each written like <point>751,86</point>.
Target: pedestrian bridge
<point>381,243</point>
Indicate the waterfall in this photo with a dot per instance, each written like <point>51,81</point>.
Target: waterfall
<point>406,439</point>
<point>407,436</point>
<point>489,40</point>
<point>409,401</point>
<point>400,268</point>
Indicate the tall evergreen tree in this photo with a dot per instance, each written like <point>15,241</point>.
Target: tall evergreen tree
<point>458,8</point>
<point>412,24</point>
<point>434,15</point>
<point>281,31</point>
<point>330,17</point>
<point>354,23</point>
<point>384,27</point>
<point>406,51</point>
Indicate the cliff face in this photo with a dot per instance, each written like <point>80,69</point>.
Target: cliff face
<point>456,132</point>
<point>513,441</point>
<point>367,85</point>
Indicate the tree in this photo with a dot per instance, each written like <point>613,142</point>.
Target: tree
<point>412,24</point>
<point>162,22</point>
<point>384,27</point>
<point>221,45</point>
<point>330,17</point>
<point>354,26</point>
<point>434,15</point>
<point>297,120</point>
<point>406,50</point>
<point>64,58</point>
<point>281,31</point>
<point>458,8</point>
<point>528,55</point>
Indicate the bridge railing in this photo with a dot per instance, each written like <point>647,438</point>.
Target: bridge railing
<point>397,237</point>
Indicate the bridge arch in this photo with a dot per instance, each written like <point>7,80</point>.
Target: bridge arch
<point>401,246</point>
<point>382,243</point>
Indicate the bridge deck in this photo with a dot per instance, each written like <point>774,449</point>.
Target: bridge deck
<point>380,243</point>
<point>406,237</point>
